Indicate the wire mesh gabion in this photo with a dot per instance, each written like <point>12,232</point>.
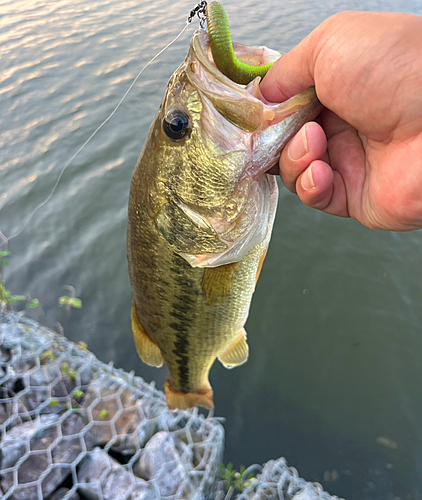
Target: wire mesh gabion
<point>277,481</point>
<point>74,428</point>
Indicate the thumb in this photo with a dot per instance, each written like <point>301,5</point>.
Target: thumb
<point>292,73</point>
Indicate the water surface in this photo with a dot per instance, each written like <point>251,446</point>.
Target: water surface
<point>334,379</point>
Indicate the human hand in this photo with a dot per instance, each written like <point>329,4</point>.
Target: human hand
<point>365,161</point>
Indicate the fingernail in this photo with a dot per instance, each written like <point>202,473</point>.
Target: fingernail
<point>298,146</point>
<point>307,182</point>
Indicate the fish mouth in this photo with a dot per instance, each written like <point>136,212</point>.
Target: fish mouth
<point>253,55</point>
<point>250,126</point>
<point>242,105</point>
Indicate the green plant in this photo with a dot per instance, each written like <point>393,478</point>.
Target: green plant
<point>6,298</point>
<point>3,260</point>
<point>68,372</point>
<point>103,413</point>
<point>70,302</point>
<point>47,354</point>
<point>33,303</point>
<point>77,393</point>
<point>234,478</point>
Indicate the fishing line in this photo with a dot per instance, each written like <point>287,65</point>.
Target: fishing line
<point>199,11</point>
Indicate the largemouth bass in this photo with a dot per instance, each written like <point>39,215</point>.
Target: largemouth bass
<point>201,211</point>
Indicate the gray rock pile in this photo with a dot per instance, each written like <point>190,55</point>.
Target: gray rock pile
<point>74,428</point>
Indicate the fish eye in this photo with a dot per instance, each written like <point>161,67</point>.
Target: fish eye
<point>176,125</point>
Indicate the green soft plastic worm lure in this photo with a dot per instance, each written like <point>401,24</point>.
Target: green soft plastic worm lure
<point>222,49</point>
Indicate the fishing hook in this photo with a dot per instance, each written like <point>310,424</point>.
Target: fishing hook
<point>200,11</point>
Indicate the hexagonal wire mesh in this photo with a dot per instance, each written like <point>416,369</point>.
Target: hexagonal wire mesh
<point>71,423</point>
<point>75,428</point>
<point>277,481</point>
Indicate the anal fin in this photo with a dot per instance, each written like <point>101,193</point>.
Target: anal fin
<point>147,349</point>
<point>237,353</point>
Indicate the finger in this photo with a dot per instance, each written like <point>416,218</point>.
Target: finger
<point>347,157</point>
<point>339,192</point>
<point>307,145</point>
<point>321,187</point>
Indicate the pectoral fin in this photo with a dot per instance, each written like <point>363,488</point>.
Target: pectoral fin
<point>217,282</point>
<point>237,353</point>
<point>147,349</point>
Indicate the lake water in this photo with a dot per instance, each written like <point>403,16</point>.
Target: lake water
<point>334,379</point>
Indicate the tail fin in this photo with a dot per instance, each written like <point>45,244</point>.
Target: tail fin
<point>178,400</point>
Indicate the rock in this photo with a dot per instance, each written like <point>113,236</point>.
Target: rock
<point>166,460</point>
<point>14,445</point>
<point>24,364</point>
<point>102,412</point>
<point>84,372</point>
<point>18,417</point>
<point>56,476</point>
<point>170,477</point>
<point>308,493</point>
<point>35,396</point>
<point>25,493</point>
<point>60,494</point>
<point>134,427</point>
<point>69,448</point>
<point>5,354</point>
<point>6,482</point>
<point>72,425</point>
<point>93,465</point>
<point>59,390</point>
<point>103,477</point>
<point>43,439</point>
<point>49,442</point>
<point>154,416</point>
<point>40,386</point>
<point>135,424</point>
<point>29,470</point>
<point>66,451</point>
<point>4,414</point>
<point>41,436</point>
<point>144,491</point>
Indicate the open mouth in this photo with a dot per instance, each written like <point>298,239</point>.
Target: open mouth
<point>254,56</point>
<point>212,82</point>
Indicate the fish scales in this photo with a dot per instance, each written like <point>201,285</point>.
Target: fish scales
<point>174,307</point>
<point>201,210</point>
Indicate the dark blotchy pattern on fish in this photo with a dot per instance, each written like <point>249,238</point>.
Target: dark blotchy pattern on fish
<point>182,309</point>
